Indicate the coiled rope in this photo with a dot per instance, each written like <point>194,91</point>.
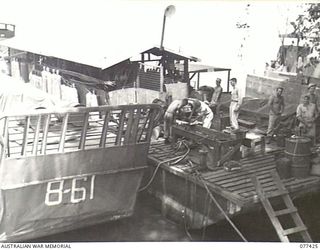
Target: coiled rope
<point>175,160</point>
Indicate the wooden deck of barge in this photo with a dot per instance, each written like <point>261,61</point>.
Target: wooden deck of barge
<point>234,189</point>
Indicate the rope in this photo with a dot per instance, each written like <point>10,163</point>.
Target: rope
<point>176,159</point>
<point>220,208</point>
<point>216,202</point>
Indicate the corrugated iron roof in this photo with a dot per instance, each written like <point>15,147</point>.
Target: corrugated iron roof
<point>100,61</point>
<point>159,52</point>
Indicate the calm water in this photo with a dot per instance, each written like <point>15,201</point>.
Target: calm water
<point>147,224</point>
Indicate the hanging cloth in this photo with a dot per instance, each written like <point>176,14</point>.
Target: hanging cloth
<point>91,100</point>
<point>69,94</point>
<point>56,85</point>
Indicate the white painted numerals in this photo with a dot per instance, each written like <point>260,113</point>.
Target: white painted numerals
<point>54,193</point>
<point>79,189</point>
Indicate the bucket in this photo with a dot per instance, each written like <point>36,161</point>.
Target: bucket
<point>298,151</point>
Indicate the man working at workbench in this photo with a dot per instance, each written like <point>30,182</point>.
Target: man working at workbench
<point>276,105</point>
<point>202,112</point>
<point>169,116</point>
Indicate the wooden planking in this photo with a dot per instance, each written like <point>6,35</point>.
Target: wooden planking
<point>257,161</point>
<point>248,191</point>
<point>232,185</point>
<point>248,188</point>
<point>244,175</point>
<point>246,165</point>
<point>233,181</point>
<point>302,184</point>
<point>242,172</point>
<point>227,194</point>
<point>235,185</point>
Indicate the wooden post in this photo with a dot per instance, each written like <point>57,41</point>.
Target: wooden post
<point>45,134</point>
<point>25,136</point>
<point>228,84</point>
<point>36,136</point>
<point>161,78</point>
<point>84,131</point>
<point>198,81</point>
<point>142,61</point>
<point>105,129</point>
<point>186,71</point>
<point>63,133</point>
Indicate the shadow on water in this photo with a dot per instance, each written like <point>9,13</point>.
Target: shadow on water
<point>147,224</point>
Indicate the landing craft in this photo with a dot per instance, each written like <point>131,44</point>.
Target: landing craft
<point>66,168</point>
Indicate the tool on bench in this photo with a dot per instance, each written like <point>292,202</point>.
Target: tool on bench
<point>217,147</point>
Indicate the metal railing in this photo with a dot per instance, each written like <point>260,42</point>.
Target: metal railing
<point>44,132</point>
<point>7,30</point>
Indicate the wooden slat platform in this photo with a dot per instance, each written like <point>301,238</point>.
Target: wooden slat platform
<point>237,185</point>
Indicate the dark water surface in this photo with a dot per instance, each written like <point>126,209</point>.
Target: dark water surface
<point>147,224</point>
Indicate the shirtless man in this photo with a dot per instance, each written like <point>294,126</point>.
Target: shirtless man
<point>169,116</point>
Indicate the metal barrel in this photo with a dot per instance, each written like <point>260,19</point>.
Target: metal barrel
<point>298,151</point>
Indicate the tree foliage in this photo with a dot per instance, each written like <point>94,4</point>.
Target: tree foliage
<point>307,25</point>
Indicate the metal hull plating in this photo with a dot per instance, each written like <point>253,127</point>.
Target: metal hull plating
<point>60,175</point>
<point>55,192</point>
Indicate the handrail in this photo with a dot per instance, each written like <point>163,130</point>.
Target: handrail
<point>6,25</point>
<point>79,110</point>
<point>77,129</point>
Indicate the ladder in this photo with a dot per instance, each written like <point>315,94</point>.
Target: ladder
<point>290,211</point>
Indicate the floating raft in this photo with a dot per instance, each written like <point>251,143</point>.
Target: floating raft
<point>181,187</point>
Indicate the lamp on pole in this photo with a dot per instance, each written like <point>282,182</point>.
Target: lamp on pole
<point>169,11</point>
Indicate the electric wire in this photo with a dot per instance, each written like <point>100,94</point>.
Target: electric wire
<point>220,208</point>
<point>176,159</point>
<point>217,203</point>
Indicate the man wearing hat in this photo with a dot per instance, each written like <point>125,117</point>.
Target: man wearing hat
<point>276,104</point>
<point>216,95</point>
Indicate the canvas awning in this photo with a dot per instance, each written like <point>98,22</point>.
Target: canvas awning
<point>199,68</point>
